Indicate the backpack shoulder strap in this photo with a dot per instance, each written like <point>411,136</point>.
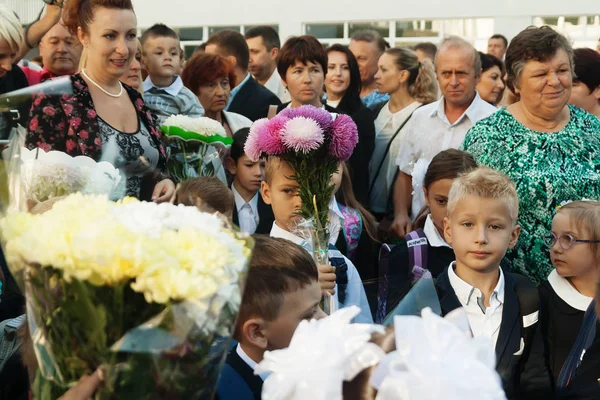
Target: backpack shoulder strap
<point>382,289</point>
<point>418,249</point>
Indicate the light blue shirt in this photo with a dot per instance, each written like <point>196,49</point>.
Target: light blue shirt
<point>375,97</point>
<point>355,291</point>
<point>237,89</point>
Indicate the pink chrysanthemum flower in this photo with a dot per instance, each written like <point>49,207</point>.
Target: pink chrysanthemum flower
<point>344,137</point>
<point>252,147</point>
<point>322,117</point>
<point>270,139</point>
<point>302,135</point>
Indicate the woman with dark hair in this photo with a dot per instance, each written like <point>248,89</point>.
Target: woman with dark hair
<point>586,84</point>
<point>103,118</point>
<point>343,86</point>
<point>302,66</point>
<point>211,77</point>
<point>546,146</point>
<point>491,85</point>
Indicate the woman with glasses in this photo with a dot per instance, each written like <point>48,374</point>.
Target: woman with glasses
<point>567,295</point>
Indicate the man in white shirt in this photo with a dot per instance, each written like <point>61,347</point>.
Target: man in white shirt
<point>263,43</point>
<point>440,125</point>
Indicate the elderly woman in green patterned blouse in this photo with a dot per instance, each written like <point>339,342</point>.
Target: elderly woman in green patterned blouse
<point>549,148</point>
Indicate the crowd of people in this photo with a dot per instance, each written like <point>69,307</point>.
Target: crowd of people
<point>482,169</point>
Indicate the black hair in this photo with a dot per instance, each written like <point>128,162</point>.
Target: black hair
<point>269,36</point>
<point>239,140</point>
<point>351,101</point>
<point>489,61</point>
<point>587,68</point>
<point>428,48</point>
<point>499,36</point>
<point>231,43</point>
<point>371,36</point>
<point>158,30</point>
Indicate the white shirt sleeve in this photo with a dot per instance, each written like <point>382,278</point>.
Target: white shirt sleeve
<point>407,155</point>
<point>356,296</point>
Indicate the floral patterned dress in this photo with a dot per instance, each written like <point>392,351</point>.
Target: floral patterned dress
<point>547,168</point>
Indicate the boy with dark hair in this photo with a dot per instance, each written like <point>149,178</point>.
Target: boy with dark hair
<point>247,98</point>
<point>340,278</point>
<point>164,92</point>
<point>481,227</point>
<point>250,212</point>
<point>282,289</point>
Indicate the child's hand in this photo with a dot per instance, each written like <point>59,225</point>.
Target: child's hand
<point>327,278</point>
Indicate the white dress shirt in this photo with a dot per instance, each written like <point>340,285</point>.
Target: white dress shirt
<point>355,291</point>
<point>433,235</point>
<point>275,85</point>
<point>247,212</point>
<point>484,321</point>
<point>251,363</point>
<point>386,125</point>
<point>429,132</point>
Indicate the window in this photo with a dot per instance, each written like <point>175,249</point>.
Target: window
<point>326,31</point>
<point>417,28</point>
<point>382,27</point>
<point>214,29</point>
<point>187,34</point>
<point>276,27</point>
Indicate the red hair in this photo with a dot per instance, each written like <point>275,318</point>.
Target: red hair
<point>203,68</point>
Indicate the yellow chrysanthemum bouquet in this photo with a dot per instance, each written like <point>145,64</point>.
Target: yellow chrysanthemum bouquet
<point>149,292</point>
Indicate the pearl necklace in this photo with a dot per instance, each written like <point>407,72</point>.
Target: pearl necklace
<point>101,88</point>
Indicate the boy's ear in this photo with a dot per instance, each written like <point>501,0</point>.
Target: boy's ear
<point>254,332</point>
<point>231,165</point>
<point>447,232</point>
<point>232,60</point>
<point>266,192</point>
<point>514,237</point>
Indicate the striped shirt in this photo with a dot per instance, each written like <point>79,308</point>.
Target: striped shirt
<point>173,100</point>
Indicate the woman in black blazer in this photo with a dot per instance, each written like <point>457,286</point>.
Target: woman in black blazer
<point>343,86</point>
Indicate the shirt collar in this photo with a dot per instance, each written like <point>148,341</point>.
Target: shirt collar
<point>277,232</point>
<point>433,235</point>
<point>240,202</point>
<point>464,291</point>
<point>334,207</point>
<point>274,79</point>
<point>236,89</point>
<point>568,293</point>
<point>251,363</point>
<point>472,112</point>
<point>173,89</point>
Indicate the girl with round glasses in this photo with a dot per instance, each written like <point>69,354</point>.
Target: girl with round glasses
<point>567,294</point>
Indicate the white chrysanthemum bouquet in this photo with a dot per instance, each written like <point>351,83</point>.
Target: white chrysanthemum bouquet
<point>146,291</point>
<point>195,145</point>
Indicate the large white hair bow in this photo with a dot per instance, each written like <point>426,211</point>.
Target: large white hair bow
<point>436,359</point>
<point>321,355</point>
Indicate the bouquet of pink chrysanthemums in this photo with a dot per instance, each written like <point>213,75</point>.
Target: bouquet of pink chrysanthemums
<point>313,141</point>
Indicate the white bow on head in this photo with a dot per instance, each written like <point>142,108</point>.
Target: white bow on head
<point>435,358</point>
<point>322,354</point>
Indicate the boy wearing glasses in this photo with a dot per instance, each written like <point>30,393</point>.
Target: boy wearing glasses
<point>501,306</point>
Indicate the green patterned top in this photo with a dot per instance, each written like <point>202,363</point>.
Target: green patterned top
<point>547,168</point>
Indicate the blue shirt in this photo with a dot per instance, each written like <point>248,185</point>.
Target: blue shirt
<point>237,89</point>
<point>375,97</point>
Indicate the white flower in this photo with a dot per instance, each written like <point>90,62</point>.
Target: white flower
<point>418,174</point>
<point>203,125</point>
<point>321,355</point>
<point>435,359</point>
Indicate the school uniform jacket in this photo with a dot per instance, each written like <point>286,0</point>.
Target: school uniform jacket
<point>253,101</point>
<point>520,363</point>
<point>237,380</point>
<point>265,216</point>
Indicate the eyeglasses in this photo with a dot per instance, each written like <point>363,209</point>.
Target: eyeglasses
<point>565,240</point>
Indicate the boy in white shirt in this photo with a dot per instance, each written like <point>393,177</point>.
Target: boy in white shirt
<point>280,192</point>
<point>481,227</point>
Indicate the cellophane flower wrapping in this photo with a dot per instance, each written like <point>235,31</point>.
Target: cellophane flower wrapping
<point>313,141</point>
<point>197,147</point>
<point>148,292</point>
